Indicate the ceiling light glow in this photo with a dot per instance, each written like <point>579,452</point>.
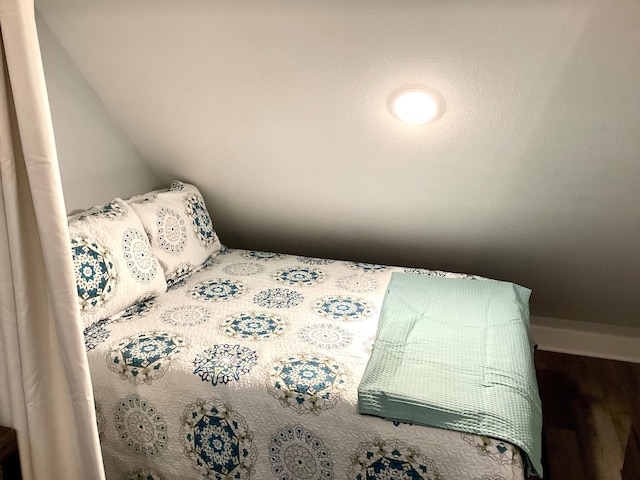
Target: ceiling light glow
<point>416,106</point>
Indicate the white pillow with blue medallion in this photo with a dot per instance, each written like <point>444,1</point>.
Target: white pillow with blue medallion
<point>179,228</point>
<point>113,261</point>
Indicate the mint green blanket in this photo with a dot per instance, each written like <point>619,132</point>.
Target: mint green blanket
<point>456,354</point>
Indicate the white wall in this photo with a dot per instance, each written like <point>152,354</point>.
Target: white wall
<point>97,161</point>
<point>277,109</point>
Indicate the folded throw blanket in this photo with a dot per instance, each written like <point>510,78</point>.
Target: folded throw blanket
<point>456,354</point>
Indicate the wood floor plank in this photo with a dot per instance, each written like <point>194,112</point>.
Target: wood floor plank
<point>587,407</point>
<point>585,428</point>
<point>569,465</point>
<point>622,423</point>
<point>607,452</point>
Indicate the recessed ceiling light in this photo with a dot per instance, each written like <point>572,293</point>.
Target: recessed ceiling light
<point>416,105</point>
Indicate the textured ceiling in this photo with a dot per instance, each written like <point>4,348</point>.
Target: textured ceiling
<point>278,111</point>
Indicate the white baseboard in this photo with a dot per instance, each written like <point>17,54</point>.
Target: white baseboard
<point>588,339</point>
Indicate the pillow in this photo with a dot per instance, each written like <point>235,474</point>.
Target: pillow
<point>179,228</point>
<point>113,261</point>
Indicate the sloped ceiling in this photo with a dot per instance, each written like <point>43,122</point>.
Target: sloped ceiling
<point>277,110</point>
<point>97,161</point>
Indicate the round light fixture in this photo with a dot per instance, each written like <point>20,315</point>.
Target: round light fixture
<point>416,105</point>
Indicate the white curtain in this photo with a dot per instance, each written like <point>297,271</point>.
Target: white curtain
<point>45,389</point>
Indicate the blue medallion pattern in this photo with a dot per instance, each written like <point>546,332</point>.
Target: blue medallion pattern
<point>137,253</point>
<point>95,334</point>
<point>265,256</point>
<point>497,450</point>
<point>470,276</point>
<point>307,384</point>
<point>137,310</point>
<point>367,344</point>
<point>314,261</point>
<point>278,298</point>
<point>326,335</point>
<point>212,260</point>
<point>175,283</point>
<point>144,357</point>
<point>171,230</point>
<point>368,267</point>
<point>224,363</point>
<point>200,220</point>
<point>253,325</point>
<point>358,283</point>
<point>343,308</point>
<point>114,210</point>
<point>186,315</point>
<point>396,423</point>
<point>140,426</point>
<point>219,290</point>
<point>243,269</point>
<point>424,271</point>
<point>179,275</point>
<point>301,276</point>
<point>141,474</point>
<point>217,440</point>
<point>296,453</point>
<point>391,459</point>
<point>95,272</point>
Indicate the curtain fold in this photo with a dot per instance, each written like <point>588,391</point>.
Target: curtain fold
<point>45,388</point>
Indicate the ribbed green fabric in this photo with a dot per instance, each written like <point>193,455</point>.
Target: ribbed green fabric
<point>456,354</point>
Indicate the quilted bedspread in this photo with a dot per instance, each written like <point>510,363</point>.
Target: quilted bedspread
<point>456,354</point>
<point>249,368</point>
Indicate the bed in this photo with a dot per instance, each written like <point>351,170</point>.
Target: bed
<point>218,363</point>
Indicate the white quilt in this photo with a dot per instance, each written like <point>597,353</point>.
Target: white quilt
<point>249,368</point>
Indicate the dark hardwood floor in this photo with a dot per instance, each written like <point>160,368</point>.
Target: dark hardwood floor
<point>587,404</point>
